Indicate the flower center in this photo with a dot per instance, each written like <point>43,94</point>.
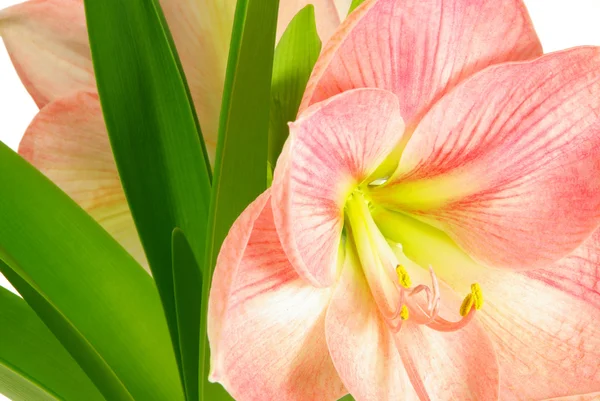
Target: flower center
<point>389,273</point>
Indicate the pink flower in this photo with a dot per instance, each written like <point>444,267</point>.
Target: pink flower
<point>48,44</point>
<point>431,231</point>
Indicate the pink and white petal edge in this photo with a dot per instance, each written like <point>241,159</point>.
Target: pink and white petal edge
<point>266,325</point>
<point>68,142</point>
<point>48,45</point>
<point>421,48</point>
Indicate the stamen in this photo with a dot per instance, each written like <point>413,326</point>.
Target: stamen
<point>403,277</point>
<point>404,313</point>
<point>475,298</point>
<point>466,305</point>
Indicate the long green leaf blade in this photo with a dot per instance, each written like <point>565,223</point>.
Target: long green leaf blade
<point>187,280</point>
<point>154,135</point>
<point>242,149</point>
<point>87,289</point>
<point>295,56</point>
<point>33,364</point>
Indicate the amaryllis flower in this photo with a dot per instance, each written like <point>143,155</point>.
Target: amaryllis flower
<point>48,44</point>
<point>432,228</point>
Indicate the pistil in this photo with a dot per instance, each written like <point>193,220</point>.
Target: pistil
<point>389,279</point>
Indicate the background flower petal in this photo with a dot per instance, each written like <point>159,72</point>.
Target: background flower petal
<point>419,49</point>
<point>332,148</point>
<point>201,30</point>
<point>67,141</point>
<point>267,325</point>
<point>48,44</point>
<point>508,164</point>
<point>361,346</point>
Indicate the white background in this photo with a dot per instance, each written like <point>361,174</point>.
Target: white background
<point>560,24</point>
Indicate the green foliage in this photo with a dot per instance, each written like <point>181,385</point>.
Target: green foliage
<point>242,148</point>
<point>354,4</point>
<point>33,364</point>
<point>156,140</point>
<point>93,296</point>
<point>295,57</point>
<point>187,280</point>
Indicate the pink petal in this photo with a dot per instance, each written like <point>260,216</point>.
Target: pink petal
<point>580,397</point>
<point>266,325</point>
<point>361,346</point>
<point>459,365</point>
<point>326,16</point>
<point>333,147</point>
<point>420,49</point>
<point>67,141</point>
<point>500,162</point>
<point>544,324</point>
<point>47,42</point>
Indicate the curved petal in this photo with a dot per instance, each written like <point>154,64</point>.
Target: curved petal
<point>67,141</point>
<point>419,49</point>
<point>544,324</point>
<point>326,16</point>
<point>332,148</point>
<point>201,30</point>
<point>361,345</point>
<point>499,163</point>
<point>47,42</point>
<point>459,365</point>
<point>266,325</point>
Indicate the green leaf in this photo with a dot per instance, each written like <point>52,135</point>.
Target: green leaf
<point>347,398</point>
<point>154,134</point>
<point>242,148</point>
<point>188,284</point>
<point>33,364</point>
<point>100,304</point>
<point>295,57</point>
<point>354,4</point>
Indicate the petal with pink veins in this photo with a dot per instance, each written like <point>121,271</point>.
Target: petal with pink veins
<point>332,148</point>
<point>48,44</point>
<point>420,49</point>
<point>500,162</point>
<point>579,397</point>
<point>459,365</point>
<point>266,325</point>
<point>67,141</point>
<point>361,345</point>
<point>544,324</point>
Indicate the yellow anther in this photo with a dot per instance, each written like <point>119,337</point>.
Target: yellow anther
<point>477,295</point>
<point>404,313</point>
<point>466,305</point>
<point>403,277</point>
<point>475,298</point>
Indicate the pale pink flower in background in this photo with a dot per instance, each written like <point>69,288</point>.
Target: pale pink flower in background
<point>48,44</point>
<point>431,231</point>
